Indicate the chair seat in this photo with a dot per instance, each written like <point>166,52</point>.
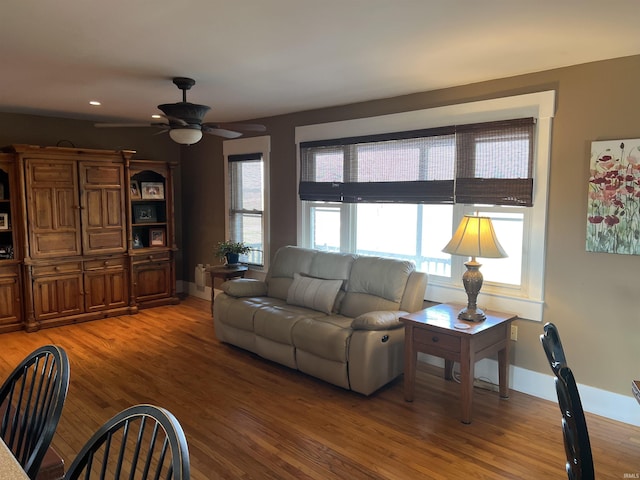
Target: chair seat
<point>52,466</point>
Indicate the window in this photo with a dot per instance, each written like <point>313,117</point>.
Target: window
<point>402,193</point>
<point>246,162</point>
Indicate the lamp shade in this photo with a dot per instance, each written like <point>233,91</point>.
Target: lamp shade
<point>185,136</point>
<point>475,237</point>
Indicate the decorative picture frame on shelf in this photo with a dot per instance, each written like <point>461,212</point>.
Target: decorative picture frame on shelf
<point>137,241</point>
<point>144,214</point>
<point>135,190</point>
<point>6,252</point>
<point>152,190</point>
<point>156,237</point>
<point>4,221</point>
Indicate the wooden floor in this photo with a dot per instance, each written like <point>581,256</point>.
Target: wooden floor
<point>248,418</point>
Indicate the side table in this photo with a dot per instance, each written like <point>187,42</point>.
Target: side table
<point>225,273</point>
<point>438,331</point>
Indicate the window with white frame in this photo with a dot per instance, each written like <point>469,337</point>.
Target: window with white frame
<point>246,164</point>
<point>401,194</point>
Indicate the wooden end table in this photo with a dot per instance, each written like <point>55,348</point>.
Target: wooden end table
<point>225,273</point>
<point>434,331</point>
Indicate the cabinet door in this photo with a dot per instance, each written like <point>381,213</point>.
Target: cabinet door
<point>103,208</point>
<point>105,289</point>
<point>58,296</point>
<point>9,297</point>
<point>52,208</point>
<point>152,280</point>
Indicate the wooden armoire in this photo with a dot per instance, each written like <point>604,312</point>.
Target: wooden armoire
<point>74,214</point>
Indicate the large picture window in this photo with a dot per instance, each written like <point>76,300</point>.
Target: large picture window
<point>401,194</point>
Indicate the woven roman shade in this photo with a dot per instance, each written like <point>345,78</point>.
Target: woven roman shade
<point>481,163</point>
<point>494,163</point>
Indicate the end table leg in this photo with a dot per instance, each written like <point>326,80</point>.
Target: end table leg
<point>213,279</point>
<point>503,371</point>
<point>410,358</point>
<point>467,368</point>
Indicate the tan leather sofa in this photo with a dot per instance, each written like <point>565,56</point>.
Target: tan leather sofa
<point>330,315</point>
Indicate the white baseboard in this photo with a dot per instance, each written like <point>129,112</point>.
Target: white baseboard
<point>607,404</point>
<point>200,292</point>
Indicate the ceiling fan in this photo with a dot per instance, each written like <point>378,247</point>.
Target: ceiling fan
<point>185,120</point>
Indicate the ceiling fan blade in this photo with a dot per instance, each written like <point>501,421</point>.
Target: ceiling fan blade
<point>245,127</point>
<point>129,125</point>
<point>121,125</point>
<point>221,132</point>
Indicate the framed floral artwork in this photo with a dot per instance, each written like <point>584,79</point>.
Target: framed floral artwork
<point>613,208</point>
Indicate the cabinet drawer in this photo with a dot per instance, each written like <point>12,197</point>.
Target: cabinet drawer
<point>69,267</point>
<point>100,263</point>
<point>442,341</point>
<point>152,257</point>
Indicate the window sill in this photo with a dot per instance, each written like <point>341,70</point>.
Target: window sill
<point>526,308</point>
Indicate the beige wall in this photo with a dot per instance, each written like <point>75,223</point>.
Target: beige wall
<point>591,297</point>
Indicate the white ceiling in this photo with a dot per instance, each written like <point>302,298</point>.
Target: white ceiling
<point>259,58</point>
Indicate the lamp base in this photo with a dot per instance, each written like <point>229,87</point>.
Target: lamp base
<point>472,315</point>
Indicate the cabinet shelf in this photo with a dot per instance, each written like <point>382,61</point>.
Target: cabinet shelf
<point>149,224</point>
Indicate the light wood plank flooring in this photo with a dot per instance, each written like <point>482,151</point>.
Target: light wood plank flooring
<point>248,418</point>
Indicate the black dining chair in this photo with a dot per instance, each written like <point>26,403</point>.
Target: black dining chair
<point>577,446</point>
<point>31,401</point>
<point>141,442</point>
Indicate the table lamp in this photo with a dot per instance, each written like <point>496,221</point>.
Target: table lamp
<point>474,237</point>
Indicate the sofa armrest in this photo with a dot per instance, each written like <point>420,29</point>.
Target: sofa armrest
<point>244,287</point>
<point>381,320</point>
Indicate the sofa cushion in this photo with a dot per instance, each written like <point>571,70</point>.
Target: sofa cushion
<point>355,304</point>
<point>239,312</point>
<point>382,277</point>
<point>276,322</point>
<point>325,337</point>
<point>314,293</point>
<point>287,261</point>
<point>332,266</point>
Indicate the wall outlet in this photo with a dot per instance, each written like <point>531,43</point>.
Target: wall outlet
<point>514,333</point>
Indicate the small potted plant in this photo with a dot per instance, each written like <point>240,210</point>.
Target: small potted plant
<point>231,251</point>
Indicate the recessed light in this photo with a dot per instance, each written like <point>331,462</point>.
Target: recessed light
<point>155,115</point>
<point>95,103</point>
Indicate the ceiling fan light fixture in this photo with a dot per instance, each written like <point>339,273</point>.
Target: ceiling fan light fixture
<point>184,120</point>
<point>185,136</point>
